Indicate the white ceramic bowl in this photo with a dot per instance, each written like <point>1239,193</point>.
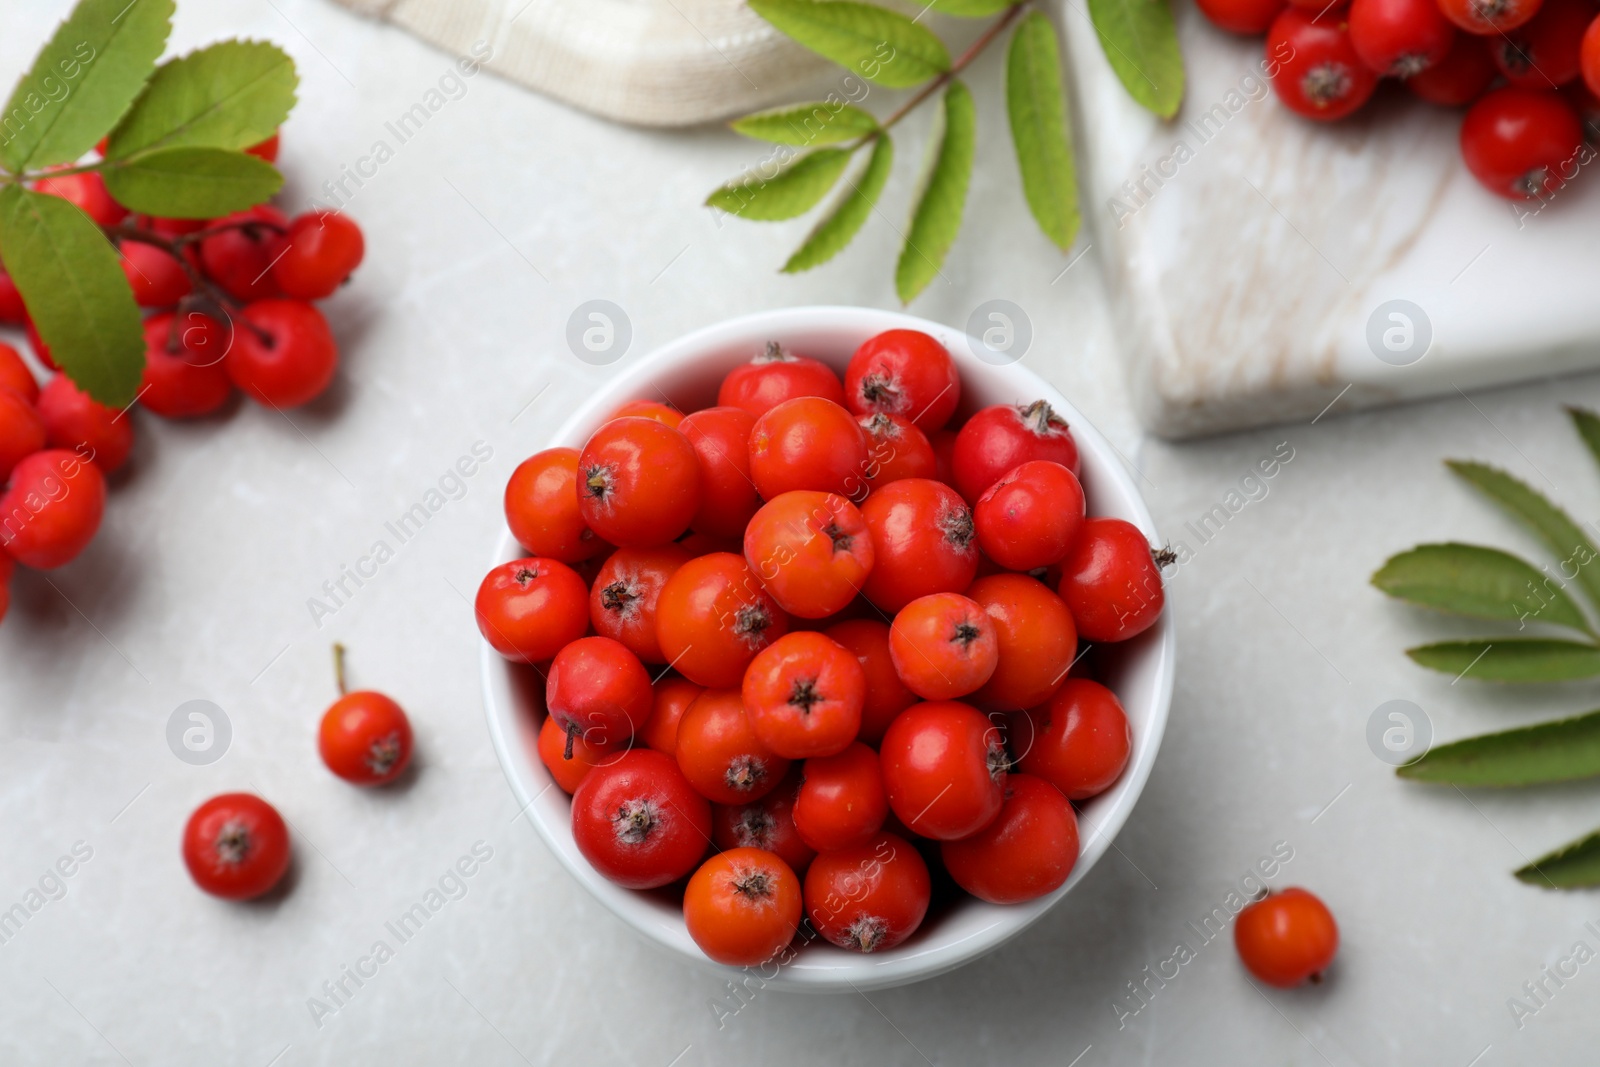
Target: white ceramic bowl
<point>1141,671</point>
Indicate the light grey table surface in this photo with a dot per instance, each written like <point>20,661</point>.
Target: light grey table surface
<point>484,233</point>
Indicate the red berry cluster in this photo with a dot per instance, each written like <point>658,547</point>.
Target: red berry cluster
<point>862,618</point>
<point>230,306</point>
<point>1530,69</point>
<point>236,845</point>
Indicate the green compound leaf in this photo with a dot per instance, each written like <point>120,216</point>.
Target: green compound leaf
<point>1141,43</point>
<point>970,9</point>
<point>1572,866</point>
<point>191,183</point>
<point>1511,659</point>
<point>806,125</point>
<point>1572,547</point>
<point>839,227</point>
<point>1482,583</point>
<point>1039,129</point>
<point>937,218</point>
<point>82,81</point>
<point>71,280</point>
<point>1558,751</point>
<point>231,94</point>
<point>792,191</point>
<point>880,45</point>
<point>1587,423</point>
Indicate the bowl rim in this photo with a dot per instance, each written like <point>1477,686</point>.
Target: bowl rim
<point>832,970</point>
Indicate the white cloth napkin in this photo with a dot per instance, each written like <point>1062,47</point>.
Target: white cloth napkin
<point>651,62</point>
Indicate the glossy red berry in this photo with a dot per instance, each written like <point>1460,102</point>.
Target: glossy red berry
<point>180,382</point>
<point>51,508</point>
<point>896,449</point>
<point>318,253</point>
<point>1078,741</point>
<point>1031,516</point>
<point>905,373</point>
<point>236,846</point>
<point>777,375</point>
<point>944,766</point>
<point>742,907</point>
<point>283,354</point>
<point>997,439</point>
<point>943,646</point>
<point>1035,636</point>
<point>1400,38</point>
<point>713,616</point>
<point>76,422</point>
<point>1523,144</point>
<point>923,542</point>
<point>1027,851</point>
<point>842,801</point>
<point>1323,77</point>
<point>812,552</point>
<point>803,694</point>
<point>529,609</point>
<point>1110,581</point>
<point>868,897</point>
<point>157,279</point>
<point>638,482</point>
<point>1286,938</point>
<point>625,593</point>
<point>239,258</point>
<point>808,443</point>
<point>365,738</point>
<point>599,691</point>
<point>719,752</point>
<point>541,505</point>
<point>639,822</point>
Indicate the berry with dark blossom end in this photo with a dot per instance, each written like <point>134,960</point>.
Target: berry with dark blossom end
<point>639,822</point>
<point>905,373</point>
<point>1523,144</point>
<point>1323,77</point>
<point>236,846</point>
<point>868,897</point>
<point>283,353</point>
<point>365,738</point>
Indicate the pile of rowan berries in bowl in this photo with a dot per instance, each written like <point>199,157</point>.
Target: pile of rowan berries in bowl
<point>229,305</point>
<point>1528,72</point>
<point>811,656</point>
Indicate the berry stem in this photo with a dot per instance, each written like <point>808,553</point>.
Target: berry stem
<point>963,61</point>
<point>338,667</point>
<point>572,735</point>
